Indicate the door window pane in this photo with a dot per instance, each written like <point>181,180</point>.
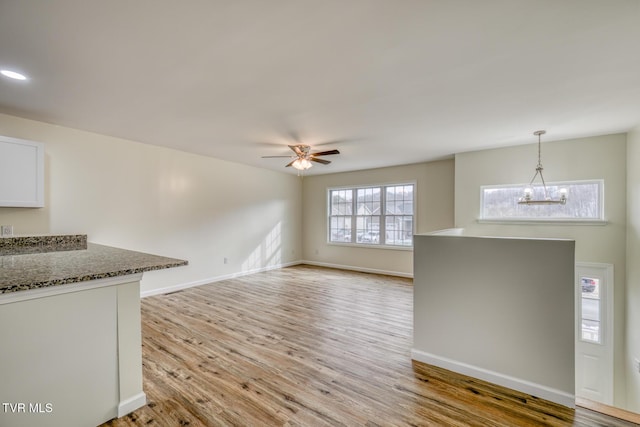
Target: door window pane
<point>591,313</point>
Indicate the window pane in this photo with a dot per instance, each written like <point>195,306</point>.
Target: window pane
<point>340,229</point>
<point>341,201</point>
<point>584,201</point>
<point>404,207</point>
<point>370,215</point>
<point>391,193</point>
<point>399,200</point>
<point>368,229</point>
<point>368,201</point>
<point>590,309</point>
<point>399,230</point>
<point>399,215</point>
<point>368,219</point>
<point>591,331</point>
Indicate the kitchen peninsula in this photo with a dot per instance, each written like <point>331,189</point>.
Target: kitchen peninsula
<point>70,344</point>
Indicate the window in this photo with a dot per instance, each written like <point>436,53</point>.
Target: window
<point>590,310</point>
<point>584,202</point>
<point>380,215</point>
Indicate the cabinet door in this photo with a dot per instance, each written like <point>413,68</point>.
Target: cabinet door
<point>59,359</point>
<point>21,173</point>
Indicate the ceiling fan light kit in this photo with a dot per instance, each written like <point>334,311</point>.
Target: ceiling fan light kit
<point>301,164</point>
<point>527,198</point>
<point>303,157</point>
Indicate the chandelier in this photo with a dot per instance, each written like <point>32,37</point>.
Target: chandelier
<point>527,198</point>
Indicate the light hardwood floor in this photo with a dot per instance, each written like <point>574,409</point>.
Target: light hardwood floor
<point>309,346</point>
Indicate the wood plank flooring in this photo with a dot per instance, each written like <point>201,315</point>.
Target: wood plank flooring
<point>309,346</point>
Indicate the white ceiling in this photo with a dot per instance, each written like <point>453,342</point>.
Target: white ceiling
<point>386,82</point>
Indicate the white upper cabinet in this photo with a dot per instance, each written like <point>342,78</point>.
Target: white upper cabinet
<point>21,173</point>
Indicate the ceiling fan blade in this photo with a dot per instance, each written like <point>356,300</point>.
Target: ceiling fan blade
<point>335,142</point>
<point>296,149</point>
<point>290,163</point>
<point>326,153</point>
<point>274,157</point>
<point>324,162</point>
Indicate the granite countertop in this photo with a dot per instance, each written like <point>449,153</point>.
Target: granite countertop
<point>40,270</point>
<point>17,245</point>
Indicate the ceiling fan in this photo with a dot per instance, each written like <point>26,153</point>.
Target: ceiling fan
<point>303,157</point>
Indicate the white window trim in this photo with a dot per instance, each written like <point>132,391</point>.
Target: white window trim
<point>558,221</point>
<point>364,245</point>
<point>548,221</point>
<point>371,246</point>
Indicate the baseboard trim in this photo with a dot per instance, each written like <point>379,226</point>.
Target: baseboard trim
<point>538,390</point>
<point>360,269</point>
<point>181,286</point>
<point>131,404</point>
<point>612,411</point>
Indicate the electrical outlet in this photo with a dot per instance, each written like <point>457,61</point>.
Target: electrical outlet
<point>636,364</point>
<point>6,230</point>
<point>226,260</point>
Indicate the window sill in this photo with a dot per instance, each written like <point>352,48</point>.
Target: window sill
<point>543,221</point>
<point>361,245</point>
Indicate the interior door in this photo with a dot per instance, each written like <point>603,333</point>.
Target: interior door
<point>594,332</point>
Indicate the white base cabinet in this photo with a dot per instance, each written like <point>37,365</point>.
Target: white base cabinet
<point>72,358</point>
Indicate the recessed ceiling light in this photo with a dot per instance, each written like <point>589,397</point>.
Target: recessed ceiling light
<point>13,75</point>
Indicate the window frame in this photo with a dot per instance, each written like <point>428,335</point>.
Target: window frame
<point>354,215</point>
<point>601,220</point>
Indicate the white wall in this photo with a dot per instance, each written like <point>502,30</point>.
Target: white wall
<point>480,311</point>
<point>434,211</point>
<point>601,157</point>
<point>632,298</point>
<point>167,202</point>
